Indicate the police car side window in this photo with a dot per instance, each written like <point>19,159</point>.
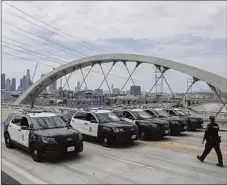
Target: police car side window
<point>90,117</point>
<point>24,122</point>
<point>17,120</point>
<point>80,115</point>
<point>151,113</point>
<point>127,115</point>
<point>171,113</point>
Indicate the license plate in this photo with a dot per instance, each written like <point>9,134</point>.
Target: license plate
<point>185,127</point>
<point>133,136</point>
<point>166,132</point>
<point>70,149</point>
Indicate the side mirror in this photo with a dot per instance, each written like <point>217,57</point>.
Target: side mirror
<point>24,127</point>
<point>93,121</point>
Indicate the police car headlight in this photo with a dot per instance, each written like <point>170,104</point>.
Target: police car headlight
<point>118,129</point>
<point>80,136</point>
<point>49,140</point>
<point>174,122</point>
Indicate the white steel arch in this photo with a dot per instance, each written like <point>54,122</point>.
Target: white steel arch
<point>33,91</point>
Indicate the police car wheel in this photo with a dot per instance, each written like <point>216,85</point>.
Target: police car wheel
<point>35,153</point>
<point>105,140</point>
<point>142,135</point>
<point>8,141</point>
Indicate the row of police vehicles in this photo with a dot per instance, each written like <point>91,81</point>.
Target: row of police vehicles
<point>49,130</point>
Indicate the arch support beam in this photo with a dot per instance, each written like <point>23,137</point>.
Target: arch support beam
<point>193,82</point>
<point>162,70</point>
<point>34,90</point>
<point>130,75</point>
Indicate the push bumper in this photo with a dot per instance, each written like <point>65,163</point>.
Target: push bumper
<point>55,149</point>
<point>125,137</point>
<point>177,128</point>
<point>155,133</point>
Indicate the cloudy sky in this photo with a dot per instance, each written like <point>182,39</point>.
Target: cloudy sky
<point>193,33</point>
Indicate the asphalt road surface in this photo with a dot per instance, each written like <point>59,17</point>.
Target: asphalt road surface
<point>171,160</point>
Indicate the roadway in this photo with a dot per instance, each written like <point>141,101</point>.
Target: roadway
<point>171,160</point>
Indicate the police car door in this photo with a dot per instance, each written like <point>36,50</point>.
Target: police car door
<point>78,121</point>
<point>92,126</point>
<point>14,129</point>
<point>25,131</point>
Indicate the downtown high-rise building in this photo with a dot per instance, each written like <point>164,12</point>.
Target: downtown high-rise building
<point>24,83</point>
<point>3,81</point>
<point>21,84</point>
<point>13,84</point>
<point>28,76</point>
<point>8,84</point>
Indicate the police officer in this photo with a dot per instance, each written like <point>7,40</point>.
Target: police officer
<point>213,140</point>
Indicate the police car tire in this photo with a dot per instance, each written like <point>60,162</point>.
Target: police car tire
<point>143,134</point>
<point>105,140</point>
<point>8,141</point>
<point>35,153</point>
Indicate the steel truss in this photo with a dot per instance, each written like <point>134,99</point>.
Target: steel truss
<point>193,82</point>
<point>162,69</point>
<point>105,75</point>
<point>130,74</point>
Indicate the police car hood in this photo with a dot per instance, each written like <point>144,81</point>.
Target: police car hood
<point>190,117</point>
<point>120,124</point>
<point>174,119</point>
<point>57,132</point>
<point>155,121</point>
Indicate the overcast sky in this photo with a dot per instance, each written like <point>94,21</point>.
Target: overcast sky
<point>193,33</point>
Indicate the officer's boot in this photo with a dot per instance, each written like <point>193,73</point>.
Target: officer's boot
<point>219,164</point>
<point>199,158</point>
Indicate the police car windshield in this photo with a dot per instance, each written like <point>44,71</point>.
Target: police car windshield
<point>107,117</point>
<point>181,113</point>
<point>141,114</point>
<point>49,122</point>
<point>162,113</point>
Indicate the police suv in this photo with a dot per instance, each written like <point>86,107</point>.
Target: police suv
<point>41,134</point>
<point>149,128</point>
<point>193,123</point>
<point>105,126</point>
<point>177,125</point>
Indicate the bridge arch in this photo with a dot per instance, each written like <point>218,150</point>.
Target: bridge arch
<point>33,91</point>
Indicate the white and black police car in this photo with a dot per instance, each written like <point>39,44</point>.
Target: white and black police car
<point>193,122</point>
<point>149,127</point>
<point>176,125</point>
<point>105,126</point>
<point>41,134</point>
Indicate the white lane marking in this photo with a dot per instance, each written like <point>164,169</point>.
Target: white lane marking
<point>130,162</point>
<point>23,173</point>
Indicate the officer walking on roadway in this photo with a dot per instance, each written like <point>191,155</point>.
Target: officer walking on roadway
<point>213,140</point>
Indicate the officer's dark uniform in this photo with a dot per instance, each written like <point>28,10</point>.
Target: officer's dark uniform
<point>213,140</point>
